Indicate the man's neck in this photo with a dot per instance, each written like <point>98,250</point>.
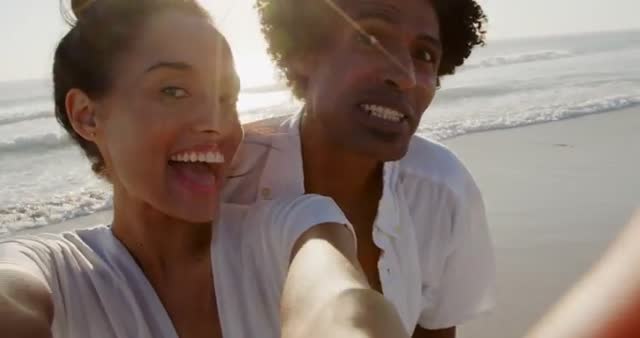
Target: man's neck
<point>332,170</point>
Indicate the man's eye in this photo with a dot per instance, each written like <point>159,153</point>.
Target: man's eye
<point>175,92</point>
<point>425,55</point>
<point>367,39</point>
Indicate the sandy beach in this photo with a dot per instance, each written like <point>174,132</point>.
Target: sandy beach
<point>556,194</point>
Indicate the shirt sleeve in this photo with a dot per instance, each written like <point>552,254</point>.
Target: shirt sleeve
<point>290,218</point>
<point>30,255</point>
<point>467,285</point>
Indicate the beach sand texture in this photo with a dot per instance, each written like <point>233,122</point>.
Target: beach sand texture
<point>557,194</point>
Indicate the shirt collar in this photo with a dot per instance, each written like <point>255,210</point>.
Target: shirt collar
<point>388,218</point>
<point>283,174</point>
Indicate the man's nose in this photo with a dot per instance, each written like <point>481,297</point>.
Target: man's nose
<point>400,73</point>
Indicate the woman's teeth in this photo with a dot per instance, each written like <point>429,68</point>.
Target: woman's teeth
<point>384,113</point>
<point>208,157</point>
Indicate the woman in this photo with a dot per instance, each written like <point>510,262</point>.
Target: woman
<point>147,89</point>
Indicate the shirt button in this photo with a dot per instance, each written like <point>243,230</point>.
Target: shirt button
<point>266,193</point>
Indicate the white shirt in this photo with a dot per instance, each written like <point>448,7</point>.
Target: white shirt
<point>99,291</point>
<point>437,265</point>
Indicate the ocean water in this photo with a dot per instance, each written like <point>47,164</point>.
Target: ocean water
<point>44,178</point>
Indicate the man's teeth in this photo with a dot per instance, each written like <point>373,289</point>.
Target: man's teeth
<point>384,113</point>
<point>208,157</point>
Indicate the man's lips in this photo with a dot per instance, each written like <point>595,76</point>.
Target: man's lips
<point>389,105</point>
<point>384,113</point>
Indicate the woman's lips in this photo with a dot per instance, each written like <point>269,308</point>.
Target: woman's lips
<point>196,176</point>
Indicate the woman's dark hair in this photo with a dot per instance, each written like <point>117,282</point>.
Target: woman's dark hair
<point>85,57</point>
<point>294,27</point>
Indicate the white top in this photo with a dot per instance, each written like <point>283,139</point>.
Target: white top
<point>99,291</point>
<point>437,265</point>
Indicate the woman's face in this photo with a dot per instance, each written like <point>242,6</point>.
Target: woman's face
<point>168,128</point>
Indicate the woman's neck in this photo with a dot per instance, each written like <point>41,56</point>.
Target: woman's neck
<point>162,245</point>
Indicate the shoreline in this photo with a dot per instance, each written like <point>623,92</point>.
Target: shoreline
<point>454,143</point>
<point>98,218</point>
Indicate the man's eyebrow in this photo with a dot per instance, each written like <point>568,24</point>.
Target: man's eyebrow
<point>385,13</point>
<point>175,65</point>
<point>390,14</point>
<point>432,40</point>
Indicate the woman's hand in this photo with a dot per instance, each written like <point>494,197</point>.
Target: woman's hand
<point>26,307</point>
<point>606,303</point>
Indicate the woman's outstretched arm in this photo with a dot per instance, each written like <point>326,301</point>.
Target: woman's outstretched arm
<point>326,294</point>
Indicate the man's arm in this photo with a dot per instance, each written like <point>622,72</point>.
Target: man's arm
<point>444,333</point>
<point>26,307</point>
<point>326,294</point>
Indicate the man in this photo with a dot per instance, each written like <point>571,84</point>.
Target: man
<point>366,70</point>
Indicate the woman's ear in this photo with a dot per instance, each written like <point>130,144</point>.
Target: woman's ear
<point>81,113</point>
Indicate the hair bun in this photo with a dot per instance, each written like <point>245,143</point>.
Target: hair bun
<point>79,6</point>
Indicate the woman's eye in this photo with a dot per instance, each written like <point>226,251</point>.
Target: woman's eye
<point>175,92</point>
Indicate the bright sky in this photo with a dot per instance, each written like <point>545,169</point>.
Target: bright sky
<point>31,28</point>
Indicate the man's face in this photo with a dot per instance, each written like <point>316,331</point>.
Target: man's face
<point>368,95</point>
